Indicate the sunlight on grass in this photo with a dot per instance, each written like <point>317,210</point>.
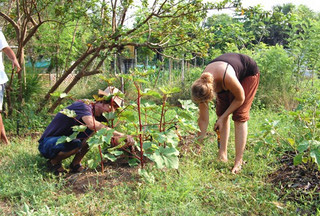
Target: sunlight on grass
<point>201,186</point>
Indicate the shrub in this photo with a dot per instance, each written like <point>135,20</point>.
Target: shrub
<point>276,88</point>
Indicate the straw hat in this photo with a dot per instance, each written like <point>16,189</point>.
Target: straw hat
<point>110,91</point>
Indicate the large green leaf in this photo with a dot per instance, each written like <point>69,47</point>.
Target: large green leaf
<point>66,139</point>
<point>116,152</point>
<point>297,159</point>
<point>172,138</point>
<point>168,90</point>
<point>303,146</point>
<point>109,157</point>
<point>149,147</point>
<point>133,162</point>
<point>188,105</point>
<point>149,92</point>
<point>166,157</point>
<point>79,128</point>
<point>128,115</point>
<point>69,113</point>
<point>315,154</point>
<point>160,137</point>
<point>109,115</point>
<point>101,137</point>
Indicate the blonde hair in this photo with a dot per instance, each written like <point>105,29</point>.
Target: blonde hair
<point>202,89</point>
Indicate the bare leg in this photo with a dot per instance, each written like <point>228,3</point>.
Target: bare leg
<point>241,131</point>
<point>3,135</point>
<point>78,157</point>
<point>224,133</point>
<point>61,156</point>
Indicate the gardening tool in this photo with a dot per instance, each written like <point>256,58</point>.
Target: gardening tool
<point>218,138</point>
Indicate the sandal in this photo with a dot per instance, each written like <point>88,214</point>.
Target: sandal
<point>57,169</point>
<point>78,168</point>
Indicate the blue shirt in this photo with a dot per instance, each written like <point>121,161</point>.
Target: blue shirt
<point>62,125</point>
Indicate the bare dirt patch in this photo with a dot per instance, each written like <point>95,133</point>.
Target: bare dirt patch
<point>188,144</point>
<point>118,172</point>
<point>297,183</point>
<point>114,174</point>
<point>5,209</point>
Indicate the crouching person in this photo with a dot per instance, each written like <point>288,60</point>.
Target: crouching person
<point>61,125</point>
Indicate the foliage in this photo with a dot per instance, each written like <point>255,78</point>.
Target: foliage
<point>276,88</point>
<point>201,186</point>
<point>306,116</point>
<point>304,131</point>
<point>226,35</point>
<point>26,121</point>
<point>304,44</point>
<point>157,128</point>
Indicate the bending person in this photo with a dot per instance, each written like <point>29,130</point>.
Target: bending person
<point>233,79</point>
<point>61,125</point>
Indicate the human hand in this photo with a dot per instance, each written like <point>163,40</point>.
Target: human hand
<point>200,137</point>
<point>129,141</point>
<point>219,123</point>
<point>16,64</point>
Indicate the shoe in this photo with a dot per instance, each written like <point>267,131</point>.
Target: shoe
<point>57,169</point>
<point>78,168</point>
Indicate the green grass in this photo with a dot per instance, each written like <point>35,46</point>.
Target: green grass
<point>201,185</point>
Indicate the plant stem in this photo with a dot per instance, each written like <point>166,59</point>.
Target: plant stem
<point>95,131</point>
<point>162,112</point>
<point>102,167</point>
<point>140,124</point>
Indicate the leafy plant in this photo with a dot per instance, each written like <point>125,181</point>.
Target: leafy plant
<point>156,127</point>
<point>303,138</point>
<point>306,115</point>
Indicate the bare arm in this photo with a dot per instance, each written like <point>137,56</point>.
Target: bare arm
<point>234,86</point>
<point>203,120</point>
<point>93,124</point>
<point>9,52</point>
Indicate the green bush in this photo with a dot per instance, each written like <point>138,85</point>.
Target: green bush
<point>276,88</point>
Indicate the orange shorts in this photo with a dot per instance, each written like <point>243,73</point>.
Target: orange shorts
<point>250,85</point>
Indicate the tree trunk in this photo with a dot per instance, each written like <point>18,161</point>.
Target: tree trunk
<point>182,71</point>
<point>65,75</point>
<point>67,90</point>
<point>170,70</point>
<point>147,62</point>
<point>78,77</point>
<point>135,58</point>
<point>115,64</point>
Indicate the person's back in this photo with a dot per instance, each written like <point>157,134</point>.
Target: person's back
<point>62,125</point>
<point>242,64</point>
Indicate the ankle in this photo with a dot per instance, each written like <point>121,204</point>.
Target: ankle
<point>54,162</point>
<point>238,162</point>
<point>223,156</point>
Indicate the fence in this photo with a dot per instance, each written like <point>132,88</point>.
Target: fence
<point>50,79</point>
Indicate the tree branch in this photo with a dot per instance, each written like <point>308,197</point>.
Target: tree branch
<point>11,21</point>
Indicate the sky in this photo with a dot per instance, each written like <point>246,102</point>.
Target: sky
<point>267,4</point>
<point>314,5</point>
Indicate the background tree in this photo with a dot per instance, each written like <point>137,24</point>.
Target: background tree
<point>158,25</point>
<point>25,18</point>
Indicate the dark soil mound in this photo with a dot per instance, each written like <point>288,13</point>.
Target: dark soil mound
<point>299,183</point>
